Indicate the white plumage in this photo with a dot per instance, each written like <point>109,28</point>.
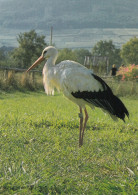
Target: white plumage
<point>79,85</point>
<point>69,76</point>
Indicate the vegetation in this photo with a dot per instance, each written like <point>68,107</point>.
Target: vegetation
<point>128,73</point>
<point>80,54</point>
<point>108,49</point>
<point>40,153</point>
<point>13,81</point>
<point>4,56</point>
<point>129,51</point>
<point>77,55</point>
<point>30,47</point>
<point>66,54</point>
<point>39,135</point>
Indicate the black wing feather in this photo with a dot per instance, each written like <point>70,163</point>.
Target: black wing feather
<point>104,99</point>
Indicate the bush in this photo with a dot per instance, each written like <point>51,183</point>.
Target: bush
<point>128,73</point>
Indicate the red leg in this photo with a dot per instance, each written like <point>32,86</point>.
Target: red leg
<point>84,126</point>
<point>81,125</point>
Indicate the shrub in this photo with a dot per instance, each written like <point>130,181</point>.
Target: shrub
<point>128,73</point>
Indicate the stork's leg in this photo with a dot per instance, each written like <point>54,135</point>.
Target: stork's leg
<point>81,125</point>
<point>84,126</point>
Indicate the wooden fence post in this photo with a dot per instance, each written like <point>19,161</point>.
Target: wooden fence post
<point>5,74</point>
<point>33,77</point>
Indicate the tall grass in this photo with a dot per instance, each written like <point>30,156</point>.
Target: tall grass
<point>12,80</point>
<point>27,82</point>
<point>123,88</point>
<point>33,81</point>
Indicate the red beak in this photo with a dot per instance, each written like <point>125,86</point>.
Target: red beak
<point>38,61</point>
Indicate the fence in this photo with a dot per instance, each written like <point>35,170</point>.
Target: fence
<point>5,71</point>
<point>15,78</point>
<point>18,78</point>
<point>33,74</point>
<point>100,64</point>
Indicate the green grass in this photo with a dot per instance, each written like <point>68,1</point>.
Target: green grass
<point>39,151</point>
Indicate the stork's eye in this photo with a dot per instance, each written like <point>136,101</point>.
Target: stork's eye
<point>44,52</point>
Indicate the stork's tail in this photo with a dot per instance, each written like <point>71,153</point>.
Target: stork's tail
<point>105,100</point>
<point>110,102</point>
<point>118,108</point>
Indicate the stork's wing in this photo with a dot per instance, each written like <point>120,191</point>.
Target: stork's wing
<point>78,78</point>
<point>85,85</point>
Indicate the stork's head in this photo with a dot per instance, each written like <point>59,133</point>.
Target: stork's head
<point>48,52</point>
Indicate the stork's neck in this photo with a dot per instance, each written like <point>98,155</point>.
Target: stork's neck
<point>51,60</point>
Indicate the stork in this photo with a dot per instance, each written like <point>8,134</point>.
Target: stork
<point>80,85</point>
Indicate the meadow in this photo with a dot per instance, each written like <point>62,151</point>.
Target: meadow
<point>39,152</point>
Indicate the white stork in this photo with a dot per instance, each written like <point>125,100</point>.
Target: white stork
<point>79,85</point>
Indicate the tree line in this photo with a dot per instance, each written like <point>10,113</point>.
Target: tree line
<point>31,45</point>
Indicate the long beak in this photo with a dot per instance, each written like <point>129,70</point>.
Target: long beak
<point>38,61</point>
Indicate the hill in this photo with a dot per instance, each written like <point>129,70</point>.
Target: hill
<point>64,14</point>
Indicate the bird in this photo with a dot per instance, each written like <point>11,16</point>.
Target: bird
<point>80,85</point>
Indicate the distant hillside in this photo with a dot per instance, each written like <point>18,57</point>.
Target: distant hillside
<point>68,14</point>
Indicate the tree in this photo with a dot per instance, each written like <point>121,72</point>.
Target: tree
<point>30,47</point>
<point>77,55</point>
<point>129,51</point>
<point>107,48</point>
<point>80,55</point>
<point>2,55</point>
<point>66,54</point>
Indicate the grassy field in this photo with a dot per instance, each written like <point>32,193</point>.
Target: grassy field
<point>39,151</point>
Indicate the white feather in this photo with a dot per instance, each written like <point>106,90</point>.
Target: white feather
<point>69,76</point>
